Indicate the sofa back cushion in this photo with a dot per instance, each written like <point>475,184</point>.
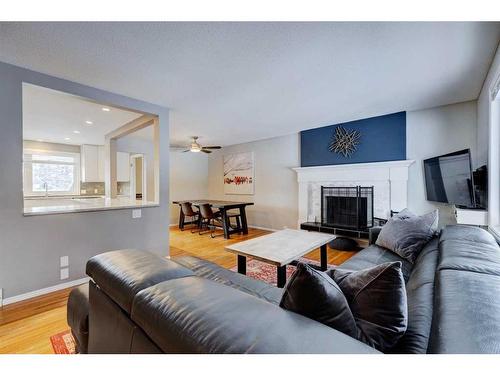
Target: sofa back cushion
<point>121,274</point>
<point>196,315</point>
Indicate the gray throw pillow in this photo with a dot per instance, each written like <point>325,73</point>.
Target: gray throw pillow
<point>314,294</point>
<point>378,301</point>
<point>406,233</point>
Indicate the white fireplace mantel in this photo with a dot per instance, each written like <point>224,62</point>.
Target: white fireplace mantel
<point>389,178</point>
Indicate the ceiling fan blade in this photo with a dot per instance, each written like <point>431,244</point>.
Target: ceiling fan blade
<point>186,150</point>
<point>212,147</point>
<point>205,151</point>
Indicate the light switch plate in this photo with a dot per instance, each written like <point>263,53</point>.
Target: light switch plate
<point>64,261</point>
<point>64,273</point>
<point>136,214</point>
<point>83,191</point>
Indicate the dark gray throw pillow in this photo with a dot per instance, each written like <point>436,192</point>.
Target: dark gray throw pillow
<point>406,234</point>
<point>314,294</point>
<point>377,298</point>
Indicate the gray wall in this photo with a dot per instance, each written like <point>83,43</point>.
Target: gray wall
<point>188,179</point>
<point>30,247</point>
<point>434,132</point>
<point>276,187</point>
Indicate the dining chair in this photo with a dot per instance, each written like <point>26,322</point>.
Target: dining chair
<point>210,219</point>
<point>187,210</point>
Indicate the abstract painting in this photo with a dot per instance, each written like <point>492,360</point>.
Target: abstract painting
<point>239,173</point>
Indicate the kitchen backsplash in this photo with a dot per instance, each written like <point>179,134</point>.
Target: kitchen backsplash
<point>123,188</point>
<point>92,188</point>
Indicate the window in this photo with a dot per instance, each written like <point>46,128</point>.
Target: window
<point>51,173</point>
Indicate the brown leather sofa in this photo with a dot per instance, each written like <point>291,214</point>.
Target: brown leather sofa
<point>139,302</point>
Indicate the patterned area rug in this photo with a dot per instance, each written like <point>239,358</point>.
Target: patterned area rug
<point>63,343</point>
<point>267,272</point>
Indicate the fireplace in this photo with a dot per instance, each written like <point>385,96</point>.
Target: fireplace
<point>347,207</point>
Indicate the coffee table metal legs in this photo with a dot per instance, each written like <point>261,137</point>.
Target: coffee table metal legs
<point>281,276</point>
<point>324,256</point>
<point>242,264</point>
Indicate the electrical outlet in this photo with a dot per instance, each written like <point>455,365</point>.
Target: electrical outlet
<point>83,191</point>
<point>64,273</point>
<point>64,261</point>
<point>136,214</point>
<point>96,191</point>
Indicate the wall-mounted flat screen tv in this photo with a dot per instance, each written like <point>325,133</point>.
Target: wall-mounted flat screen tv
<point>448,179</point>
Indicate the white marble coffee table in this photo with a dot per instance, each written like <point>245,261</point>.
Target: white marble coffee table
<point>281,248</point>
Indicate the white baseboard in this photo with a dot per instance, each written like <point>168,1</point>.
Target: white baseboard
<point>250,226</point>
<point>262,228</point>
<point>40,292</point>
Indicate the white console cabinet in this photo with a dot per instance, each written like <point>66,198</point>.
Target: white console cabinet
<point>471,217</point>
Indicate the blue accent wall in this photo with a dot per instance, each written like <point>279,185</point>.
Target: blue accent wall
<point>383,138</point>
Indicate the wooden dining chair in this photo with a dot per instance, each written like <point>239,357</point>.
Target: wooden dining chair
<point>209,219</point>
<point>187,210</point>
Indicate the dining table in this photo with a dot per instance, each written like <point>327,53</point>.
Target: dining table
<point>223,207</point>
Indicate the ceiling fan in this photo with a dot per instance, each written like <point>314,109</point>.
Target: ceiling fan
<point>196,147</point>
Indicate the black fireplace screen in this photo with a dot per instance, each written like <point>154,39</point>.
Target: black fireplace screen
<point>347,207</point>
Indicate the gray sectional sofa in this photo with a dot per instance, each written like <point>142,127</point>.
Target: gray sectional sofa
<point>138,302</point>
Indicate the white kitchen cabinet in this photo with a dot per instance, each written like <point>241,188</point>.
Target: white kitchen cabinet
<point>122,166</point>
<point>89,163</point>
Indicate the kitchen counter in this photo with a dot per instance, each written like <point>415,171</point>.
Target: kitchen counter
<point>59,205</point>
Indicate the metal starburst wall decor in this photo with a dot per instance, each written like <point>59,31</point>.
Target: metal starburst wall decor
<point>345,141</point>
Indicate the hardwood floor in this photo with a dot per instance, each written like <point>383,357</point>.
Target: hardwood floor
<point>212,249</point>
<point>26,327</point>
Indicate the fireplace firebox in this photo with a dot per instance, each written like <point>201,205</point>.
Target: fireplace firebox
<point>347,207</point>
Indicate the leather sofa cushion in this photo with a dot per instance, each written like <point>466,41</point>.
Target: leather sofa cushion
<point>466,313</point>
<point>471,256</point>
<point>196,315</point>
<point>420,296</point>
<point>314,294</point>
<point>466,233</point>
<point>214,272</point>
<point>121,274</point>
<point>374,255</point>
<point>78,316</point>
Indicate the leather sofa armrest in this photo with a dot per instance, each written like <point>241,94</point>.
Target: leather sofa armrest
<point>373,234</point>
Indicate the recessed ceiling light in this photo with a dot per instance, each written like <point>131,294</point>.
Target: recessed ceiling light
<point>106,109</point>
<point>67,139</point>
<point>76,131</point>
<point>89,122</point>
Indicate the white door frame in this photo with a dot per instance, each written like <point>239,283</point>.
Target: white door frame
<point>133,158</point>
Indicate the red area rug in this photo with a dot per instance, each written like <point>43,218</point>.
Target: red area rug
<point>267,272</point>
<point>63,343</point>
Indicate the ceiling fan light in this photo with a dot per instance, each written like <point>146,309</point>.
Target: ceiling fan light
<point>195,150</point>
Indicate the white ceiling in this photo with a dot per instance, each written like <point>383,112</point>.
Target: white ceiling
<point>53,116</point>
<point>237,82</point>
